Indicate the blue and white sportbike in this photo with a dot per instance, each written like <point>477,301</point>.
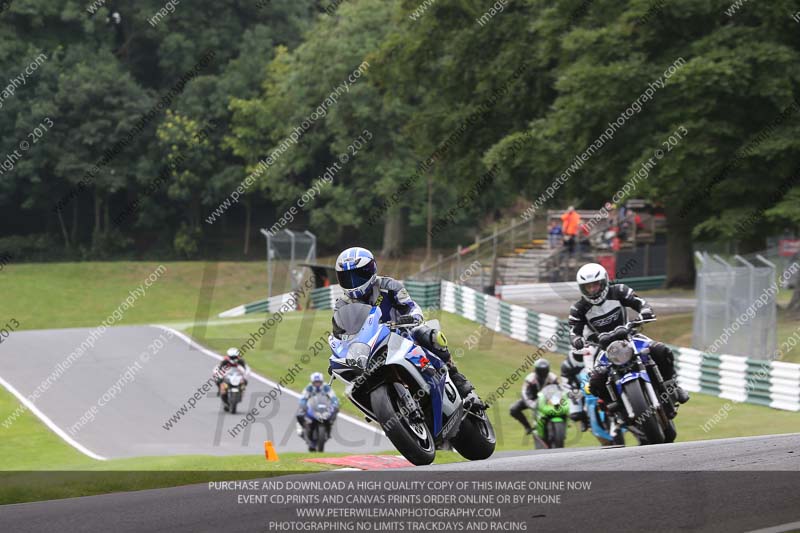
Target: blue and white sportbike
<point>637,389</point>
<point>405,388</point>
<point>320,413</point>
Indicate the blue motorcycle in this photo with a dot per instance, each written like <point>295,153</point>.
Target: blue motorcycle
<point>405,388</point>
<point>603,426</point>
<point>320,414</point>
<point>638,391</point>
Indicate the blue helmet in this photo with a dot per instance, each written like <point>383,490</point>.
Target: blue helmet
<point>356,271</point>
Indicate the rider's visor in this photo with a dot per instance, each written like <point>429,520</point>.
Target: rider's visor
<point>352,279</point>
<point>592,289</point>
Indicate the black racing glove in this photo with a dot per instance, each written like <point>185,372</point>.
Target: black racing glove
<point>647,314</point>
<point>578,343</point>
<point>407,319</point>
<point>620,332</point>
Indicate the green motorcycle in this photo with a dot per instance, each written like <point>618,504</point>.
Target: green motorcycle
<point>552,408</point>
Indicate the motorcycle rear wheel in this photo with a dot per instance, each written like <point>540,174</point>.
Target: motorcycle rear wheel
<point>475,439</point>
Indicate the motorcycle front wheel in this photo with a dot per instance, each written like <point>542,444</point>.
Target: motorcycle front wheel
<point>322,436</point>
<point>556,433</point>
<point>412,439</point>
<point>233,400</point>
<point>643,415</point>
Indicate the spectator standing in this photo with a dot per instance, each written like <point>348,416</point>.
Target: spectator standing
<point>570,221</point>
<point>554,234</point>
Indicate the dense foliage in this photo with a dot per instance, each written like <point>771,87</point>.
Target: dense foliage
<point>168,117</point>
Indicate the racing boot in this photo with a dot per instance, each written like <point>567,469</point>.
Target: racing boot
<point>438,344</point>
<point>680,395</point>
<point>465,388</point>
<point>581,417</point>
<point>463,385</point>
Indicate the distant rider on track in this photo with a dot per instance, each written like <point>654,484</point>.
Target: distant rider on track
<point>233,359</point>
<point>316,386</point>
<point>534,382</point>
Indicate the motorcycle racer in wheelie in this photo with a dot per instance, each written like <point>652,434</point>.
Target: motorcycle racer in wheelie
<point>357,274</point>
<point>534,382</point>
<point>601,310</point>
<point>316,385</point>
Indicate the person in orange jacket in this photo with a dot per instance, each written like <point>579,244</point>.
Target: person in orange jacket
<point>570,221</point>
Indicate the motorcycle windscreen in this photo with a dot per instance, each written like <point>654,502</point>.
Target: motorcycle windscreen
<point>361,323</point>
<point>318,406</point>
<point>351,317</point>
<point>234,377</point>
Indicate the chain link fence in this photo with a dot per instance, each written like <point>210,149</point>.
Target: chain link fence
<point>736,310</point>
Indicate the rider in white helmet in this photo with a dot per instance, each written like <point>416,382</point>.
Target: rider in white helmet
<point>357,274</point>
<point>601,309</point>
<point>233,358</point>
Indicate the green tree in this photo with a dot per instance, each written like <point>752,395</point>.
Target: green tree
<point>739,74</point>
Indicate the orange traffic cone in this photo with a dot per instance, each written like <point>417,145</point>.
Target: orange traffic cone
<point>269,451</point>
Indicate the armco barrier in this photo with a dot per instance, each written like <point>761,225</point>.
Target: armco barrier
<point>645,283</point>
<point>771,383</point>
<point>515,321</point>
<point>566,290</point>
<point>267,305</point>
<point>325,297</point>
<point>425,293</point>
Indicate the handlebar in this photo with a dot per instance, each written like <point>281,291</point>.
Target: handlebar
<point>606,338</point>
<point>399,325</point>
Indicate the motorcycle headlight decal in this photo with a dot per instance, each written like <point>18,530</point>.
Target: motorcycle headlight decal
<point>357,354</point>
<point>620,352</point>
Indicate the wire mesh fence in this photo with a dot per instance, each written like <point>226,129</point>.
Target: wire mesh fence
<point>285,249</point>
<point>736,311</point>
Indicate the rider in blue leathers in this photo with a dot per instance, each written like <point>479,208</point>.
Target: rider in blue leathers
<point>357,274</point>
<point>317,385</point>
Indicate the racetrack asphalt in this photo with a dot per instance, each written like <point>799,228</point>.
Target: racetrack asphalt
<point>135,409</point>
<point>740,484</point>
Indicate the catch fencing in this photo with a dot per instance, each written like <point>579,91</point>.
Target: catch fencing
<point>736,309</point>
